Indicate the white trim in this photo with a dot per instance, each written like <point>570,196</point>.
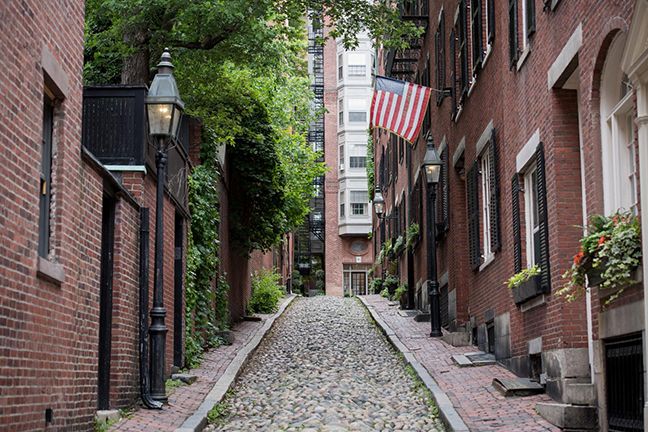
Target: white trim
<point>523,57</point>
<point>442,146</point>
<point>533,303</point>
<point>459,152</point>
<point>565,57</point>
<point>440,13</point>
<point>484,139</point>
<point>487,54</point>
<point>131,168</point>
<point>489,259</point>
<point>528,152</point>
<point>459,111</point>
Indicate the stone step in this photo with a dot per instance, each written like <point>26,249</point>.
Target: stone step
<point>567,416</point>
<point>461,360</point>
<point>517,387</point>
<point>570,391</point>
<point>185,378</point>
<point>457,338</point>
<point>422,317</point>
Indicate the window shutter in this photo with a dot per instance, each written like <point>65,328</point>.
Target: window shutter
<point>443,56</point>
<point>517,239</point>
<point>472,191</point>
<point>453,75</point>
<point>445,175</point>
<point>437,62</point>
<point>542,216</point>
<point>530,16</point>
<point>491,21</point>
<point>463,27</point>
<point>478,49</point>
<point>513,48</point>
<point>496,238</point>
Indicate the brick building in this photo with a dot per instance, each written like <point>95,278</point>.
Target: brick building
<point>536,123</point>
<point>337,229</point>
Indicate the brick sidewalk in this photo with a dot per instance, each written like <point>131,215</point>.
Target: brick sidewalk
<point>183,401</point>
<point>470,389</point>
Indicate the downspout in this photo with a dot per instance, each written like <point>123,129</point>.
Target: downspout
<point>145,385</point>
<point>588,294</point>
<point>410,254</point>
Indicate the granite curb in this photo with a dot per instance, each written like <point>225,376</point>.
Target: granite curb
<point>198,420</point>
<point>447,412</point>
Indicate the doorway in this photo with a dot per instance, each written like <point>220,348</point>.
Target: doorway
<point>358,283</point>
<point>106,300</point>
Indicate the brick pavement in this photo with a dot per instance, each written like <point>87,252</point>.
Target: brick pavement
<point>183,401</point>
<point>470,389</point>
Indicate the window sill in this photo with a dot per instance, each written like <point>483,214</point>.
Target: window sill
<point>458,115</point>
<point>523,57</point>
<point>486,55</point>
<point>50,271</point>
<point>489,259</point>
<point>533,303</point>
<point>472,86</point>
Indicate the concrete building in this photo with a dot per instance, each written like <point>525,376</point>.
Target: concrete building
<point>538,119</point>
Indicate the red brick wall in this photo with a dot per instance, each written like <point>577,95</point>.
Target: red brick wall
<point>519,102</point>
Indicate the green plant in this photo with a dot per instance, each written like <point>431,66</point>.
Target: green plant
<point>523,276</point>
<point>319,274</point>
<point>612,246</point>
<point>391,280</point>
<point>218,412</point>
<point>319,293</point>
<point>412,233</point>
<point>347,295</point>
<point>375,285</point>
<point>400,241</point>
<point>371,183</point>
<point>400,292</point>
<point>171,384</point>
<point>266,292</point>
<point>319,284</point>
<point>297,280</point>
<point>385,292</point>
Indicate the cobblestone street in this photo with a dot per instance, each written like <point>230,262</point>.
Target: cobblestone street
<point>325,367</point>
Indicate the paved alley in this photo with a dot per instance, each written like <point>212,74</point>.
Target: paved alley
<point>325,367</point>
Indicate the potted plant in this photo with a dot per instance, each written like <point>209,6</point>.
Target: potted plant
<point>525,284</point>
<point>375,286</point>
<point>391,282</point>
<point>399,246</point>
<point>413,235</point>
<point>400,295</point>
<point>609,254</point>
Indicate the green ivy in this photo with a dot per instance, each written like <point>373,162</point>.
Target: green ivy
<point>206,306</point>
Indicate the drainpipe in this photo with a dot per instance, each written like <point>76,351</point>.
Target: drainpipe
<point>145,385</point>
<point>588,294</point>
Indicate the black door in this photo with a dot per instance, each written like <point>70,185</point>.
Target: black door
<point>358,283</point>
<point>178,283</point>
<point>105,300</point>
<point>625,393</point>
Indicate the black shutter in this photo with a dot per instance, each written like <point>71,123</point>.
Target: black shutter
<point>517,239</point>
<point>472,194</point>
<point>453,74</point>
<point>426,79</point>
<point>496,237</point>
<point>491,21</point>
<point>45,178</point>
<point>445,190</point>
<point>437,63</point>
<point>542,215</point>
<point>478,49</point>
<point>381,181</point>
<point>443,55</point>
<point>463,28</point>
<point>530,16</point>
<point>513,47</point>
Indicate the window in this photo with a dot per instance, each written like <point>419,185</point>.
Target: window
<point>342,204</point>
<point>341,155</point>
<point>617,133</point>
<point>340,112</point>
<point>476,33</point>
<point>359,203</point>
<point>373,64</point>
<point>532,216</point>
<point>340,66</point>
<point>46,176</point>
<point>517,46</point>
<point>357,110</point>
<point>528,19</point>
<point>357,64</point>
<point>357,162</point>
<point>485,165</point>
<point>439,41</point>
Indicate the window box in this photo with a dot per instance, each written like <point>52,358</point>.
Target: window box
<point>528,289</point>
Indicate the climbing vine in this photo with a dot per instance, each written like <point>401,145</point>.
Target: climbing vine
<point>206,304</point>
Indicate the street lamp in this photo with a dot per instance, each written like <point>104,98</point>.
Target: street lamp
<point>164,111</point>
<point>432,166</point>
<point>379,204</point>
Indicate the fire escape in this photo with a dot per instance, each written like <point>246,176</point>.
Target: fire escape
<point>310,237</point>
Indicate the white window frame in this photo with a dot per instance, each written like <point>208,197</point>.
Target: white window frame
<point>341,157</point>
<point>365,204</point>
<point>484,165</point>
<point>624,155</point>
<point>487,51</point>
<point>340,112</point>
<point>342,206</point>
<point>364,110</point>
<point>352,56</point>
<point>531,214</point>
<point>340,67</point>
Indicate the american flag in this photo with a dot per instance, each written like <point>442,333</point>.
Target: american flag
<point>399,107</point>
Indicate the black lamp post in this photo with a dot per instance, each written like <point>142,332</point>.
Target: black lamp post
<point>432,166</point>
<point>379,203</point>
<point>164,110</point>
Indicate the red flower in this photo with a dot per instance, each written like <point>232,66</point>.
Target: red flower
<point>601,240</point>
<point>578,257</point>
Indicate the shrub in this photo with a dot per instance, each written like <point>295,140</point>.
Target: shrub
<point>400,292</point>
<point>297,280</point>
<point>319,274</point>
<point>375,285</point>
<point>266,292</point>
